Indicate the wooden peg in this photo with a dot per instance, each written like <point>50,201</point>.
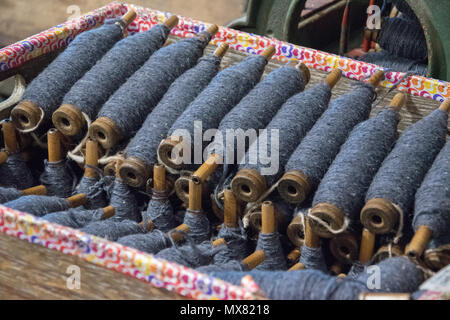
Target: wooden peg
<point>268,52</point>
<point>333,77</point>
<point>379,216</point>
<point>159,177</point>
<point>178,236</point>
<point>91,159</point>
<point>26,115</point>
<point>297,266</point>
<point>221,50</point>
<point>68,119</point>
<point>195,196</point>
<point>248,185</point>
<point>106,132</point>
<point>37,190</point>
<point>331,215</point>
<point>206,169</point>
<point>10,137</point>
<point>3,156</point>
<point>294,186</point>
<point>445,106</point>
<point>376,78</point>
<point>77,200</point>
<point>398,101</point>
<point>312,240</point>
<point>419,242</point>
<point>108,212</point>
<point>129,17</point>
<point>267,217</point>
<point>367,246</point>
<point>171,22</point>
<point>54,145</point>
<point>294,256</point>
<point>212,30</point>
<point>230,209</point>
<point>254,260</point>
<point>219,242</point>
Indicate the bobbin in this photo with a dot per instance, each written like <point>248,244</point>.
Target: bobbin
<point>329,214</point>
<point>39,190</point>
<point>296,231</point>
<point>419,242</point>
<point>437,258</point>
<point>3,156</point>
<point>91,161</point>
<point>254,219</point>
<point>230,210</point>
<point>367,246</point>
<point>253,260</point>
<point>108,212</point>
<point>384,252</point>
<point>379,216</point>
<point>248,185</point>
<point>54,145</point>
<point>106,132</point>
<point>9,138</point>
<point>26,115</point>
<point>293,256</point>
<point>345,247</point>
<point>77,200</point>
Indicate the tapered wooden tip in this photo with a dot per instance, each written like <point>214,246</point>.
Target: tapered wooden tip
<point>302,68</point>
<point>376,78</point>
<point>26,115</point>
<point>178,236</point>
<point>171,22</point>
<point>248,185</point>
<point>167,155</point>
<point>294,186</point>
<point>91,159</point>
<point>195,195</point>
<point>77,200</point>
<point>294,255</point>
<point>129,17</point>
<point>333,77</point>
<point>344,247</point>
<point>367,246</point>
<point>331,215</point>
<point>221,50</point>
<point>312,240</point>
<point>206,169</point>
<point>296,231</point>
<point>159,177</point>
<point>254,260</point>
<point>106,132</point>
<point>108,212</point>
<point>182,188</point>
<point>268,52</point>
<point>297,266</point>
<point>230,209</point>
<point>10,137</point>
<point>134,172</point>
<point>267,217</point>
<point>379,216</point>
<point>219,242</point>
<point>54,145</point>
<point>419,242</point>
<point>212,30</point>
<point>445,106</point>
<point>398,101</point>
<point>3,157</point>
<point>40,190</point>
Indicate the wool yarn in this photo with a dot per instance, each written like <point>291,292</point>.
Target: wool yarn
<point>392,62</point>
<point>349,176</point>
<point>113,230</point>
<point>199,226</point>
<point>397,275</point>
<point>96,190</point>
<point>160,212</point>
<point>404,168</point>
<point>47,90</point>
<point>179,95</point>
<point>9,194</point>
<point>14,173</point>
<point>129,106</point>
<point>151,242</point>
<point>38,205</point>
<point>124,201</point>
<point>74,217</point>
<point>90,92</point>
<point>313,258</point>
<point>271,245</point>
<point>58,178</point>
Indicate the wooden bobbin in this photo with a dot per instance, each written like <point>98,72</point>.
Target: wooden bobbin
<point>129,17</point>
<point>419,242</point>
<point>297,266</point>
<point>221,50</point>
<point>304,70</point>
<point>110,169</point>
<point>135,172</point>
<point>195,196</point>
<point>345,247</point>
<point>10,137</point>
<point>296,231</point>
<point>333,77</point>
<point>230,210</point>
<point>367,246</point>
<point>267,217</point>
<point>40,190</point>
<point>248,185</point>
<point>182,186</point>
<point>312,240</point>
<point>376,78</point>
<point>294,256</point>
<point>171,22</point>
<point>91,159</point>
<point>445,106</point>
<point>206,169</point>
<point>212,30</point>
<point>77,200</point>
<point>330,215</point>
<point>269,52</point>
<point>26,115</point>
<point>379,216</point>
<point>384,252</point>
<point>294,186</point>
<point>68,119</point>
<point>159,178</point>
<point>398,101</point>
<point>437,258</point>
<point>384,296</point>
<point>254,260</point>
<point>177,236</point>
<point>219,242</point>
<point>167,155</point>
<point>54,145</point>
<point>108,212</point>
<point>3,157</point>
<point>106,132</point>
<point>254,219</point>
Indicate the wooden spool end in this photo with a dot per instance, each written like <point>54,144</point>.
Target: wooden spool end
<point>254,260</point>
<point>267,217</point>
<point>166,152</point>
<point>296,231</point>
<point>10,137</point>
<point>91,159</point>
<point>206,169</point>
<point>3,157</point>
<point>26,115</point>
<point>40,190</point>
<point>212,30</point>
<point>134,172</point>
<point>171,22</point>
<point>106,132</point>
<point>110,169</point>
<point>302,68</point>
<point>376,78</point>
<point>182,188</point>
<point>159,178</point>
<point>379,216</point>
<point>68,119</point>
<point>297,266</point>
<point>384,252</point>
<point>221,50</point>
<point>312,240</point>
<point>437,258</point>
<point>294,186</point>
<point>333,77</point>
<point>54,145</point>
<point>77,200</point>
<point>331,215</point>
<point>219,242</point>
<point>108,212</point>
<point>384,296</point>
<point>398,101</point>
<point>445,106</point>
<point>230,210</point>
<point>268,52</point>
<point>129,17</point>
<point>345,247</point>
<point>294,255</point>
<point>419,242</point>
<point>367,246</point>
<point>179,236</point>
<point>195,196</point>
<point>248,185</point>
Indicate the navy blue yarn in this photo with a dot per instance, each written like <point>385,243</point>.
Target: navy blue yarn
<point>271,245</point>
<point>160,212</point>
<point>312,258</point>
<point>113,230</point>
<point>9,194</point>
<point>123,199</point>
<point>38,205</point>
<point>58,178</point>
<point>74,217</point>
<point>14,173</point>
<point>96,190</point>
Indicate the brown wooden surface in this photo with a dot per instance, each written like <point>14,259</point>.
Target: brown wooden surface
<point>30,271</point>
